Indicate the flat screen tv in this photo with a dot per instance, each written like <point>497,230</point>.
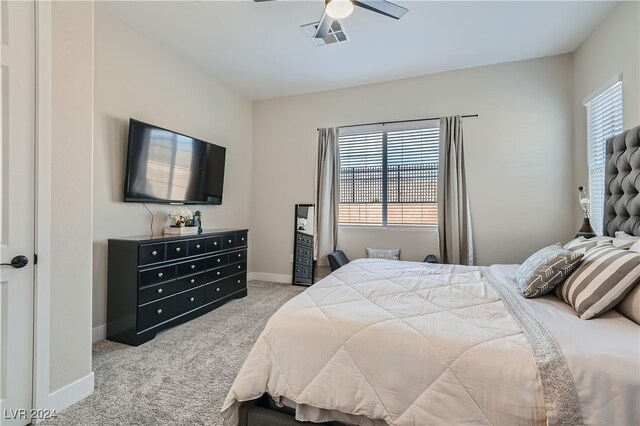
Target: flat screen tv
<point>168,167</point>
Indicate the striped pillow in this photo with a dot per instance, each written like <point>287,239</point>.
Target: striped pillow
<point>582,244</point>
<point>545,269</point>
<point>604,277</point>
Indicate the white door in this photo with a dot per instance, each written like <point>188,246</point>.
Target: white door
<point>17,133</point>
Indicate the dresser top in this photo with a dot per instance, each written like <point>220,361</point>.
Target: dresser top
<point>162,238</point>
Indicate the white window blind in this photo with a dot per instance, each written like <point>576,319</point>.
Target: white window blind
<point>604,120</point>
<point>389,176</point>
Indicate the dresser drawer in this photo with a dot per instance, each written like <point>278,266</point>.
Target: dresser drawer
<point>198,246</point>
<point>157,275</point>
<point>304,239</point>
<point>189,268</point>
<point>154,292</point>
<point>216,274</point>
<point>239,256</point>
<point>228,241</point>
<point>190,282</point>
<point>156,312</point>
<point>150,253</point>
<point>189,300</point>
<point>222,288</point>
<point>239,281</point>
<point>302,271</point>
<point>236,268</point>
<point>176,250</point>
<point>217,261</point>
<point>304,252</point>
<point>214,244</point>
<point>303,260</point>
<point>242,239</point>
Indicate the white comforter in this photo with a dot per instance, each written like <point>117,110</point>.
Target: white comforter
<point>401,343</point>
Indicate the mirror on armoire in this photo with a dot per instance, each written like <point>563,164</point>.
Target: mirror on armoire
<point>303,256</point>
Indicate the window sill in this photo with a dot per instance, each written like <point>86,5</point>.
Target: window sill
<point>428,228</point>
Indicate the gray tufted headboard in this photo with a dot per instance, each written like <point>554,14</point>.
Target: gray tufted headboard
<point>622,184</point>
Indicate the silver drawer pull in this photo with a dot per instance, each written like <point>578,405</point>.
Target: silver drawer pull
<point>154,253</point>
<point>197,246</point>
<point>192,281</point>
<point>239,254</point>
<point>238,281</point>
<point>193,299</point>
<point>218,289</point>
<point>242,239</point>
<point>159,291</point>
<point>219,260</point>
<point>218,273</point>
<point>215,243</point>
<point>239,266</point>
<point>177,248</point>
<point>193,266</point>
<point>159,311</point>
<point>160,274</point>
<point>229,241</point>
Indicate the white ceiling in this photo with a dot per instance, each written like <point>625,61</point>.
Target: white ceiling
<point>259,50</point>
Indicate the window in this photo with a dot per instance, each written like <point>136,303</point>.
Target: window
<point>389,175</point>
<point>604,119</point>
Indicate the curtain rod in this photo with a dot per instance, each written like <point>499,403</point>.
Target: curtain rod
<point>403,121</point>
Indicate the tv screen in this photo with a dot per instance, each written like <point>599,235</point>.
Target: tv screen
<point>168,167</point>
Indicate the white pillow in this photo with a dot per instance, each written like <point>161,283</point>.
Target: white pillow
<point>624,241</point>
<point>388,254</point>
<point>630,305</point>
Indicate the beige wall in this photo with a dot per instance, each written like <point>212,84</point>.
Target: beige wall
<point>71,174</point>
<point>614,47</point>
<point>134,77</point>
<point>519,156</point>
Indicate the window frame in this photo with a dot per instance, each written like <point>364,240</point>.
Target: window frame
<point>384,129</point>
<point>591,103</point>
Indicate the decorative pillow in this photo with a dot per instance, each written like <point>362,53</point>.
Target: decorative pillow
<point>582,244</point>
<point>630,305</point>
<point>624,240</point>
<point>388,254</point>
<point>603,279</point>
<point>545,269</point>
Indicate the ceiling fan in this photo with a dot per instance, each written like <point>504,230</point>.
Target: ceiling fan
<point>335,10</point>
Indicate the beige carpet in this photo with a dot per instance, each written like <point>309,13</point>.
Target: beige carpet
<point>183,375</point>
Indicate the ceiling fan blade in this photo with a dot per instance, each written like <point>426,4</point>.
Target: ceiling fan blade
<point>324,26</point>
<point>382,7</point>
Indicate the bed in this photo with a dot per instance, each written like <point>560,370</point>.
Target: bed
<point>403,343</point>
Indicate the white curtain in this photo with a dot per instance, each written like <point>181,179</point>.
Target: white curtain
<point>454,215</point>
<point>327,194</point>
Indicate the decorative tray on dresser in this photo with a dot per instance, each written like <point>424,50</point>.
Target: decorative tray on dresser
<point>158,282</point>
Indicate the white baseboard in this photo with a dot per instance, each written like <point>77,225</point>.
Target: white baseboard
<point>72,393</point>
<point>263,276</point>
<point>99,333</point>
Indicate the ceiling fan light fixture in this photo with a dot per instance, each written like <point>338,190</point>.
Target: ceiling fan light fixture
<point>339,9</point>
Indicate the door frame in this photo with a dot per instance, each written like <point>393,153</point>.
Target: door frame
<point>42,222</point>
